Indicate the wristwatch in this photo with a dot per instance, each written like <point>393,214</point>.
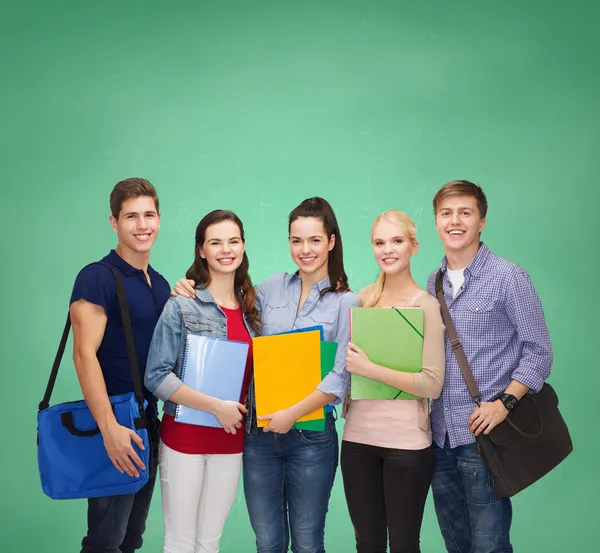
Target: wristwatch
<point>509,401</point>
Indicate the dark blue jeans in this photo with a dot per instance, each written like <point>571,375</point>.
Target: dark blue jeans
<point>116,523</point>
<point>287,484</point>
<point>472,519</point>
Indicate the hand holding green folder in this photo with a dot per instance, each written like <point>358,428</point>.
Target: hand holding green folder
<point>392,338</point>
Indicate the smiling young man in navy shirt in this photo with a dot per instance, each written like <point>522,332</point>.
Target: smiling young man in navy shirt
<point>116,523</point>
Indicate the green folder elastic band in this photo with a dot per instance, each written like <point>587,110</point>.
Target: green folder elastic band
<point>411,325</point>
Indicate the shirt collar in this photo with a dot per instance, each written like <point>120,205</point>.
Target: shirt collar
<point>204,295</point>
<point>321,285</point>
<point>477,262</point>
<point>115,259</point>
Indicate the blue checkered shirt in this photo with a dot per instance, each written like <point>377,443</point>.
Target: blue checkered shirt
<point>499,319</point>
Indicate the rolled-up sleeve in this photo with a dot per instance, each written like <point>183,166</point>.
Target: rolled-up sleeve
<point>337,382</point>
<point>165,347</point>
<point>525,312</point>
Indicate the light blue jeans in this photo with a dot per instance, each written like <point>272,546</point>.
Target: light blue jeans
<point>287,484</point>
<point>472,519</point>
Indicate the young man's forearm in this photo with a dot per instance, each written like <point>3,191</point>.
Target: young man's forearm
<point>93,388</point>
<point>516,389</point>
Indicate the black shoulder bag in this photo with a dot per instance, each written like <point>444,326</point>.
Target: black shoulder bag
<point>532,440</point>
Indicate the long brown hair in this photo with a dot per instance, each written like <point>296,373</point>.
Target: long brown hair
<point>320,209</point>
<point>199,272</point>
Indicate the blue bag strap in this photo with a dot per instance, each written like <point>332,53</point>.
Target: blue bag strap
<point>135,371</point>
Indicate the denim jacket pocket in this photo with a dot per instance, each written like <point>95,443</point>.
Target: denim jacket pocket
<point>200,324</point>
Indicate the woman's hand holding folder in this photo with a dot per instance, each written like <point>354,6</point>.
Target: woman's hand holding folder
<point>280,422</point>
<point>357,361</point>
<point>230,415</point>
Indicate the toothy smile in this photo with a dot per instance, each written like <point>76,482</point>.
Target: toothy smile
<point>226,260</point>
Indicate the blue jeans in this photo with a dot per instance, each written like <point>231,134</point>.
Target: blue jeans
<point>472,519</point>
<point>287,484</point>
<point>116,523</point>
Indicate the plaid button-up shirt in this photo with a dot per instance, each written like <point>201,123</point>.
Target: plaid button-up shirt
<point>499,319</point>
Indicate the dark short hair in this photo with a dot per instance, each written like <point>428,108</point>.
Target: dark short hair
<point>131,188</point>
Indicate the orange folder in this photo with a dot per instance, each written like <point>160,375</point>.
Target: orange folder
<point>287,368</point>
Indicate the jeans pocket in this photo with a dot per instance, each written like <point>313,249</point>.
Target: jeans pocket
<point>316,437</point>
<point>477,483</point>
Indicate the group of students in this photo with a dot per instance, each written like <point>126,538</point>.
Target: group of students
<point>392,451</point>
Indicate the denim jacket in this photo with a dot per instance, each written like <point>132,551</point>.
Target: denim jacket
<point>181,316</point>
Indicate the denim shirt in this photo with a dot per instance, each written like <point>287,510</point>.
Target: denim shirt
<point>278,298</point>
<point>181,316</point>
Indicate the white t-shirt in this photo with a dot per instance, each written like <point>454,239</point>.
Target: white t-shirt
<point>457,278</point>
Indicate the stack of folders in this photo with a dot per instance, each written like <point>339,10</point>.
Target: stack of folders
<point>391,337</point>
<point>287,368</point>
<point>214,367</point>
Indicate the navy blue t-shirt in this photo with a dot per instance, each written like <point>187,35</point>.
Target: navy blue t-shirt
<point>95,283</point>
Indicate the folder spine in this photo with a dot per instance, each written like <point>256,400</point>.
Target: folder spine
<point>186,348</point>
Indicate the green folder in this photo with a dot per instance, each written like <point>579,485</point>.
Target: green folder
<point>391,337</point>
<point>328,352</point>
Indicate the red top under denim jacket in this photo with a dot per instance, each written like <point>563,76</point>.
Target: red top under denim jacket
<point>192,439</point>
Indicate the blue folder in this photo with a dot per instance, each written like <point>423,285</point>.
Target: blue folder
<point>307,329</point>
<point>215,367</point>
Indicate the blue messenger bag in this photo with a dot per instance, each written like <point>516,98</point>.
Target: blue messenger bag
<point>72,459</point>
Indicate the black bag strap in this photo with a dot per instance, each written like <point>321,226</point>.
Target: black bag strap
<point>133,361</point>
<point>135,371</point>
<point>54,373</point>
<point>455,342</point>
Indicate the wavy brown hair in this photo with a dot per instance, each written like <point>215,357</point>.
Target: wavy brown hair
<point>321,209</point>
<point>199,273</point>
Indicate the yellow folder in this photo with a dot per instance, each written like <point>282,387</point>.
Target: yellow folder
<point>287,368</point>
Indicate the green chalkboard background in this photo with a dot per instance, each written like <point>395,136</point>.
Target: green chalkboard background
<point>253,106</point>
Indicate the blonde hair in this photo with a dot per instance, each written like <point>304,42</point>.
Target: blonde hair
<point>371,293</point>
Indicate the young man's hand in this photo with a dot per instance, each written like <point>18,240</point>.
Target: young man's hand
<point>487,416</point>
<point>184,287</point>
<point>117,441</point>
